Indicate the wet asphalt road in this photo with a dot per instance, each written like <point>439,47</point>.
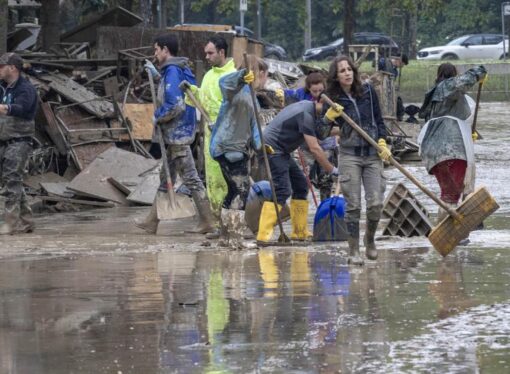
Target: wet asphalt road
<point>88,293</point>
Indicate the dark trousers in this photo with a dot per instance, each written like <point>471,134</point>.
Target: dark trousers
<point>238,182</point>
<point>288,178</point>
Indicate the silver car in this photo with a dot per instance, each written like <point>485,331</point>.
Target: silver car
<point>473,46</point>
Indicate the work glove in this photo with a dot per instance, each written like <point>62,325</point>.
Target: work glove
<point>474,136</point>
<point>194,92</point>
<point>334,112</point>
<point>280,95</point>
<point>152,69</point>
<point>385,153</point>
<point>334,172</point>
<point>249,77</point>
<point>269,149</point>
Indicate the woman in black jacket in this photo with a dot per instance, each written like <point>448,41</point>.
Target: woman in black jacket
<point>359,162</point>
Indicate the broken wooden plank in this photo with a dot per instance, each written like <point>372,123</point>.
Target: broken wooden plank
<point>116,163</point>
<point>57,189</point>
<point>140,117</point>
<point>80,95</point>
<point>52,128</point>
<point>56,199</point>
<point>145,192</point>
<point>34,181</point>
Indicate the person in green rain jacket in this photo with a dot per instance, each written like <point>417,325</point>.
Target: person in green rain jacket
<point>210,97</point>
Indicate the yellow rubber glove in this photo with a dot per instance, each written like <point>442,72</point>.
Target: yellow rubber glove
<point>334,112</point>
<point>249,77</point>
<point>385,153</point>
<point>194,90</point>
<point>483,79</point>
<point>474,136</point>
<point>269,149</point>
<point>280,94</point>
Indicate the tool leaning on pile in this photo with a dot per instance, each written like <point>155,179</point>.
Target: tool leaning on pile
<point>461,221</point>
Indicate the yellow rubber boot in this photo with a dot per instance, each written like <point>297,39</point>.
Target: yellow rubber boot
<point>299,220</point>
<point>267,221</point>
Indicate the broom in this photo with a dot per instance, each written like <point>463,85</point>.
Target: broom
<point>461,221</point>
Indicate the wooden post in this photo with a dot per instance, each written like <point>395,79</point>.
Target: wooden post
<point>4,21</point>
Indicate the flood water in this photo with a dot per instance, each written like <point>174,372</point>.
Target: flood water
<point>87,293</point>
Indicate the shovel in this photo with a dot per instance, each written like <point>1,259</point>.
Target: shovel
<point>282,238</point>
<point>174,206</point>
<point>461,221</point>
<point>307,175</point>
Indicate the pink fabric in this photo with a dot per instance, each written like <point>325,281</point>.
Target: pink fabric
<point>450,176</point>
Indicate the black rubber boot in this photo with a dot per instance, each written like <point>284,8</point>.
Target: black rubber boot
<point>369,240</point>
<point>353,241</point>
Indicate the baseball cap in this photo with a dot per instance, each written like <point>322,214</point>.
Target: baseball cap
<point>12,59</point>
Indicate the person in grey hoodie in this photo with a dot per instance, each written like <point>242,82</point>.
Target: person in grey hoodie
<point>234,134</point>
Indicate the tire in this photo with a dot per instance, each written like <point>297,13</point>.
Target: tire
<point>450,56</point>
<point>507,56</point>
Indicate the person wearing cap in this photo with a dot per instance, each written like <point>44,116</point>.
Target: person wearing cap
<point>18,104</point>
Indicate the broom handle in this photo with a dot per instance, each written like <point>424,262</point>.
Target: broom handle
<point>159,132</point>
<point>394,162</point>
<point>338,190</point>
<point>263,144</point>
<point>477,106</point>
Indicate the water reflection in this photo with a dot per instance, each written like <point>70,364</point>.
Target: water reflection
<point>222,312</point>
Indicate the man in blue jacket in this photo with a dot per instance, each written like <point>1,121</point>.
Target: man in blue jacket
<point>18,103</point>
<point>178,124</point>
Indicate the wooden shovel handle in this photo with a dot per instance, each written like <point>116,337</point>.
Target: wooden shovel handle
<point>394,162</point>
<point>184,87</point>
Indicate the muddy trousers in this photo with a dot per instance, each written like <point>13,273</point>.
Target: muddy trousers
<point>14,156</point>
<point>216,186</point>
<point>450,176</point>
<point>289,180</point>
<point>367,171</point>
<point>238,182</point>
<point>180,161</point>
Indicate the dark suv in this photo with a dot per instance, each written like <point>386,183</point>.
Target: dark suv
<point>385,43</point>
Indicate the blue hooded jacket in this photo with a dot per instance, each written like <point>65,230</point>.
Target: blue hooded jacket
<point>177,120</point>
<point>235,130</point>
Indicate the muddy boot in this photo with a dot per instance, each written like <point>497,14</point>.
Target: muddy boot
<point>369,240</point>
<point>12,223</point>
<point>205,217</point>
<point>215,234</point>
<point>299,220</point>
<point>223,232</point>
<point>236,227</point>
<point>353,241</point>
<point>26,217</point>
<point>151,222</point>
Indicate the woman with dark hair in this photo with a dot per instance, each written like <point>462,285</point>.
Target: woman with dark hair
<point>359,162</point>
<point>446,142</point>
<point>315,83</point>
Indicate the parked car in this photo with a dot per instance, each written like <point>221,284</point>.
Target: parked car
<point>334,48</point>
<point>472,46</point>
<point>271,50</point>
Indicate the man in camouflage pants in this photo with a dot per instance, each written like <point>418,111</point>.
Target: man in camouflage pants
<point>18,103</point>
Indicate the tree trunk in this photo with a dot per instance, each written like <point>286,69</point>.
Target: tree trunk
<point>146,12</point>
<point>308,25</point>
<point>50,26</point>
<point>348,24</point>
<point>413,27</point>
<point>4,21</point>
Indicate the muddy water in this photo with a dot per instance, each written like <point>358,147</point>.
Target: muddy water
<point>86,293</point>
